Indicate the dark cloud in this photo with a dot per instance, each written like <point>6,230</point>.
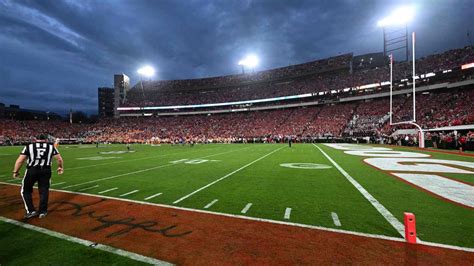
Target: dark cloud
<point>61,51</point>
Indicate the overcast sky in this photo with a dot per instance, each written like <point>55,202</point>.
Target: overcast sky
<point>55,54</point>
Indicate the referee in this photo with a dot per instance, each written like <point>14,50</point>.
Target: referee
<point>38,169</point>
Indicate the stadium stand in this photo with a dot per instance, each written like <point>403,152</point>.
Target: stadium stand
<point>323,116</point>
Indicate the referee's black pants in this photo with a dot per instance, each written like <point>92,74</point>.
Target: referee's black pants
<point>33,175</point>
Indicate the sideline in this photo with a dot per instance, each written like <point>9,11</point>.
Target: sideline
<point>116,251</point>
<point>264,220</point>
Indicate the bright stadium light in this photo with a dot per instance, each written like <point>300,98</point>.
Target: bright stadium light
<point>400,16</point>
<point>251,61</point>
<point>146,71</point>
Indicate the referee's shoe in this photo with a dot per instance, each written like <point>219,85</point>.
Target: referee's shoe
<point>32,214</point>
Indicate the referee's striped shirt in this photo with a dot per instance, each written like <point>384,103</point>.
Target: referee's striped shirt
<point>39,154</point>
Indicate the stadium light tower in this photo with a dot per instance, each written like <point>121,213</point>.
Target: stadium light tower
<point>147,72</point>
<point>395,29</point>
<point>251,61</point>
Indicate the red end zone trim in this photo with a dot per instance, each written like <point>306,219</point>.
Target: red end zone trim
<point>187,237</point>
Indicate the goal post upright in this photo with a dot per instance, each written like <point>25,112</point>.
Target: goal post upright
<point>421,137</point>
<point>414,76</point>
<point>391,88</point>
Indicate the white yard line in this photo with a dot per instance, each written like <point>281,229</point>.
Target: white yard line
<point>108,190</point>
<point>287,213</point>
<point>152,196</point>
<point>116,251</point>
<point>128,193</point>
<point>57,184</point>
<point>131,160</point>
<point>87,188</point>
<point>210,204</point>
<point>146,158</point>
<point>377,205</point>
<point>141,171</point>
<point>335,219</point>
<point>246,208</point>
<point>315,227</point>
<point>115,176</point>
<point>224,177</point>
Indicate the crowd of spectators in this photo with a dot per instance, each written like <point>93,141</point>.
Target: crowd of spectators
<point>363,118</point>
<point>313,77</point>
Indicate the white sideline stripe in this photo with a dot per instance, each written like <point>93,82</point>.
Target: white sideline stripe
<point>87,188</point>
<point>57,184</point>
<point>116,251</point>
<point>141,171</point>
<point>287,213</point>
<point>264,220</point>
<point>377,205</point>
<point>246,208</point>
<point>105,191</point>
<point>210,204</point>
<point>224,177</point>
<point>13,179</point>
<point>335,219</point>
<point>152,196</point>
<point>128,193</point>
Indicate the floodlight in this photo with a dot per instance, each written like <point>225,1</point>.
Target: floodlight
<point>250,61</point>
<point>146,71</point>
<point>399,16</point>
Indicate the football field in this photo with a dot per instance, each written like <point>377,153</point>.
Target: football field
<point>331,187</point>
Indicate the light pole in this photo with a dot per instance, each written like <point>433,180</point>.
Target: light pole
<point>395,30</point>
<point>147,72</point>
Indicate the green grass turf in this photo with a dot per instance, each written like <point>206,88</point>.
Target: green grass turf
<point>311,194</point>
<point>27,247</point>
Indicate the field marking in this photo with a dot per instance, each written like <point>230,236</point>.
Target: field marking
<point>224,177</point>
<point>138,159</point>
<point>287,213</point>
<point>210,204</point>
<point>116,251</point>
<point>377,205</point>
<point>246,208</point>
<point>141,171</point>
<point>264,220</point>
<point>128,193</point>
<point>449,189</point>
<point>57,184</point>
<point>335,219</point>
<point>87,188</point>
<point>108,190</point>
<point>115,176</point>
<point>13,179</point>
<point>152,196</point>
<point>131,160</point>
